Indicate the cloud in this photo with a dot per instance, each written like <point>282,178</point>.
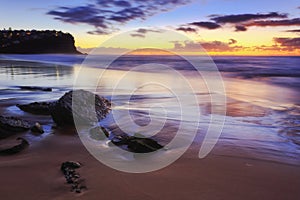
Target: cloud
<point>141,32</point>
<point>288,43</point>
<point>282,45</point>
<point>144,31</point>
<point>106,15</point>
<point>207,25</point>
<point>232,41</point>
<point>98,32</point>
<point>240,28</point>
<point>82,14</point>
<point>240,21</point>
<point>187,29</point>
<point>210,46</point>
<point>287,22</point>
<point>233,19</point>
<point>137,35</point>
<point>293,31</point>
<point>194,26</point>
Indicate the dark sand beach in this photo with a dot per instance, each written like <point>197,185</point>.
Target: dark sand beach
<point>256,157</point>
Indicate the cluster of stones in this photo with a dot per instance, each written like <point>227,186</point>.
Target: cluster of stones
<point>72,177</point>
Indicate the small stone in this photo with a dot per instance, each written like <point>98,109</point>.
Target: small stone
<point>37,128</point>
<point>78,190</point>
<point>70,164</point>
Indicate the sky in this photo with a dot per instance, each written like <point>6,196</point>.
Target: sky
<point>220,27</point>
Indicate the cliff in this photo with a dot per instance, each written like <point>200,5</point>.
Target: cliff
<point>36,42</point>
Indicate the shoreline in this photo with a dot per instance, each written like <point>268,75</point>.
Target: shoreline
<point>226,173</point>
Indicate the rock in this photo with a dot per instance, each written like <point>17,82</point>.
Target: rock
<point>35,88</point>
<point>136,144</point>
<point>15,149</point>
<point>38,108</point>
<point>120,139</point>
<point>11,125</point>
<point>70,165</point>
<point>99,133</point>
<point>91,108</point>
<point>73,178</point>
<point>37,128</point>
<point>143,145</point>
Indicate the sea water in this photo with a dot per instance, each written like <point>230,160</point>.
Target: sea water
<point>262,117</point>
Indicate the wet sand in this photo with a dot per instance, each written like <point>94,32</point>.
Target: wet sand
<point>228,172</point>
<point>35,174</point>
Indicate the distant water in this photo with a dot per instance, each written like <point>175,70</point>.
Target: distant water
<point>263,96</point>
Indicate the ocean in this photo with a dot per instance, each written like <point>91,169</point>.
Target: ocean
<point>253,101</point>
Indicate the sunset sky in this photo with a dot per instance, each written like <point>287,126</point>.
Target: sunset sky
<point>222,27</point>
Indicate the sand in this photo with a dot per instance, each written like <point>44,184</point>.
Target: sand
<point>35,174</point>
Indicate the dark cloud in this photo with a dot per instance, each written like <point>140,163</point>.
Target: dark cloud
<point>122,3</point>
<point>239,28</point>
<point>240,21</point>
<point>193,27</point>
<point>112,3</point>
<point>207,25</point>
<point>143,31</point>
<point>232,41</point>
<point>288,43</point>
<point>187,29</point>
<point>98,32</point>
<point>286,22</point>
<point>293,31</point>
<point>105,15</point>
<point>234,19</point>
<point>82,14</point>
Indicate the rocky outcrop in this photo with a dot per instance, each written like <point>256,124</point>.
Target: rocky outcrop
<point>36,42</point>
<point>90,108</point>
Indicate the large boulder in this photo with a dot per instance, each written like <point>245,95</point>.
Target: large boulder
<point>89,108</point>
<point>11,125</point>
